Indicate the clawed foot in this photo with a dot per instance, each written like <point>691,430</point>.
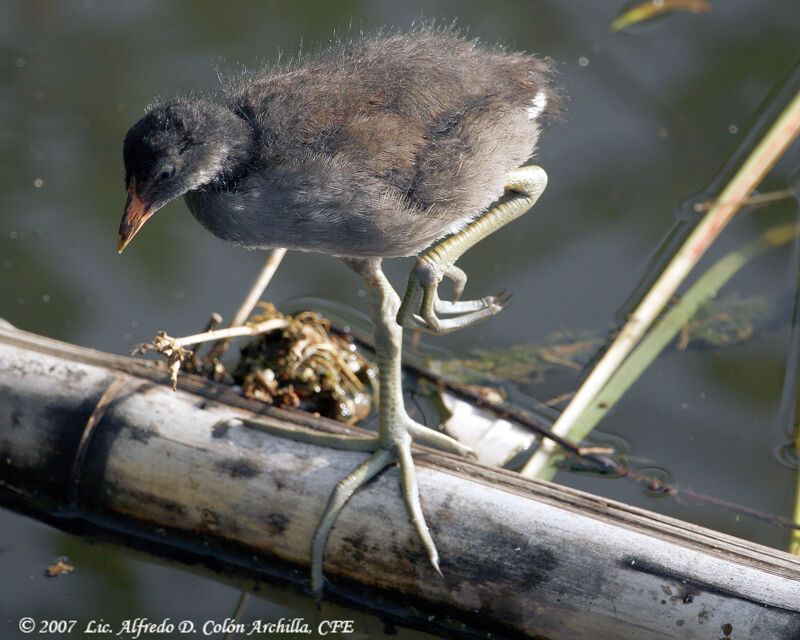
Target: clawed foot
<point>397,449</point>
<point>422,294</point>
<point>421,307</point>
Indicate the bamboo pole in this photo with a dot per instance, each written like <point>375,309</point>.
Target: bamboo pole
<point>520,558</point>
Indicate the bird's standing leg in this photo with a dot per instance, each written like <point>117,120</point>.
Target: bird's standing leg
<point>523,188</point>
<point>396,427</point>
<point>393,442</point>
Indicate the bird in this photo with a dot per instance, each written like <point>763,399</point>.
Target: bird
<point>396,144</point>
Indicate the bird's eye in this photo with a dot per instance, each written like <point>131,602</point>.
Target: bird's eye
<point>166,173</point>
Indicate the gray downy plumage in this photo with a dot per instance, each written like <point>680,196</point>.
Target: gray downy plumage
<point>377,147</point>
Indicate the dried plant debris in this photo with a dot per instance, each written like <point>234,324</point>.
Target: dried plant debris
<point>170,348</point>
<point>297,363</point>
<point>213,370</point>
<point>302,365</point>
<point>293,362</point>
<point>59,568</point>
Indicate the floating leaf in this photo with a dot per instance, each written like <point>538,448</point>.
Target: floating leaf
<point>60,568</point>
<point>654,8</point>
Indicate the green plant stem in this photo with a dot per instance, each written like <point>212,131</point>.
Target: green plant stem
<point>664,331</point>
<point>794,540</point>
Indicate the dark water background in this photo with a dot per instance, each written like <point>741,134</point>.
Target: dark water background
<point>652,115</point>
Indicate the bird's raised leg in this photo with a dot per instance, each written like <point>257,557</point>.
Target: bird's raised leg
<point>421,305</point>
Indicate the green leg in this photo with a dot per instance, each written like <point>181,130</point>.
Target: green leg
<point>393,441</point>
<point>396,427</point>
<point>523,188</point>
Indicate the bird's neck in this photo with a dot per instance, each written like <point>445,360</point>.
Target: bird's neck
<point>232,144</point>
<point>241,153</point>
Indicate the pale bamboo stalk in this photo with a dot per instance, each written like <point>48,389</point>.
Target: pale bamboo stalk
<point>251,300</point>
<point>254,295</point>
<point>251,329</point>
<point>668,326</point>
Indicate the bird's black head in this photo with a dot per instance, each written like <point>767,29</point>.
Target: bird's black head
<point>178,146</point>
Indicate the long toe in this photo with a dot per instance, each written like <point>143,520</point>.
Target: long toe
<point>345,488</point>
<point>431,323</point>
<point>438,439</point>
<point>408,476</point>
